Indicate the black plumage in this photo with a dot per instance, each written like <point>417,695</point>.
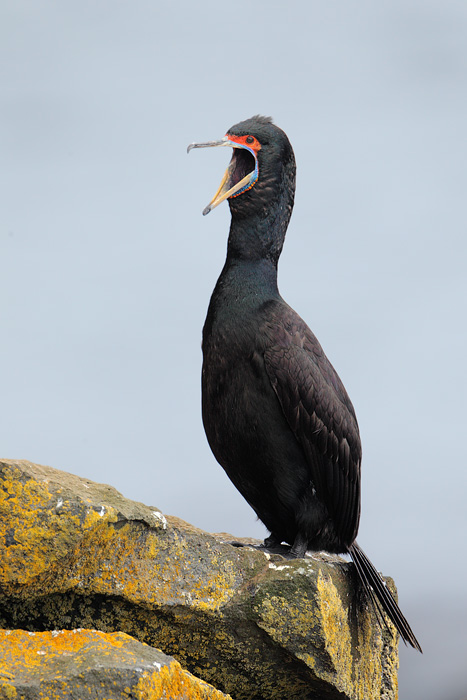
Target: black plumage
<point>277,416</point>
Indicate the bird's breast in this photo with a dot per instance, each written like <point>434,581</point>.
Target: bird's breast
<point>247,430</point>
<point>235,388</point>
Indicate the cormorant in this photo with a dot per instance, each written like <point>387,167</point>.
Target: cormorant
<point>276,415</point>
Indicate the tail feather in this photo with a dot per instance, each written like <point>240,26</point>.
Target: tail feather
<point>380,595</point>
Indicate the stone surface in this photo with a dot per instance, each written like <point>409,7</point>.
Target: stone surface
<point>87,664</point>
<point>78,554</point>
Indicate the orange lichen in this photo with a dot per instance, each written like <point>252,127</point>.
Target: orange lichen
<point>57,662</point>
<point>25,653</point>
<point>173,683</point>
<point>46,526</point>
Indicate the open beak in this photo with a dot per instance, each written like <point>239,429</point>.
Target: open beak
<point>241,174</point>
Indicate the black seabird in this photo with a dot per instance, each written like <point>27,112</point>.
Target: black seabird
<point>277,416</point>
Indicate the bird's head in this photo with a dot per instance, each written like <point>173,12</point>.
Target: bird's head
<point>261,170</point>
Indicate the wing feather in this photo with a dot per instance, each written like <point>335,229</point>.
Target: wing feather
<point>320,414</point>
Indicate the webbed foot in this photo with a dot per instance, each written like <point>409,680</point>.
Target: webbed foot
<point>273,545</point>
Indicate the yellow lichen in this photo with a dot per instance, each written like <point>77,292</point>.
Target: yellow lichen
<point>24,653</point>
<point>29,658</point>
<point>210,594</point>
<point>378,658</point>
<point>44,528</point>
<point>35,536</point>
<point>295,621</point>
<point>336,631</point>
<point>283,618</point>
<point>7,691</point>
<point>172,683</point>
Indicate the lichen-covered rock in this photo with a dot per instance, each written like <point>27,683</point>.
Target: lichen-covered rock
<point>78,554</point>
<point>86,664</point>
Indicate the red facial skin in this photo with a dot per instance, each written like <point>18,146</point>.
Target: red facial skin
<point>253,145</point>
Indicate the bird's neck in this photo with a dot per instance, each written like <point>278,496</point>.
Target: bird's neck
<point>249,276</point>
<point>247,282</point>
<point>259,235</point>
<point>243,289</point>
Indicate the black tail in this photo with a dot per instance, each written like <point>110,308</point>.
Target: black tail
<point>380,595</point>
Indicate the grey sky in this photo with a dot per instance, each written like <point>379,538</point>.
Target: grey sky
<point>108,265</point>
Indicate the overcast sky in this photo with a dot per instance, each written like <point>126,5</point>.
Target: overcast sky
<point>107,264</point>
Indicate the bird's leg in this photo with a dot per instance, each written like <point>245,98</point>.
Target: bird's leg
<point>299,547</point>
<point>271,541</point>
<point>271,545</point>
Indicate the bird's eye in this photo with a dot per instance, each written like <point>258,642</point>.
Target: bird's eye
<point>247,141</point>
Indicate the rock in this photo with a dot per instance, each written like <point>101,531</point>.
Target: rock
<point>78,554</point>
<point>86,664</point>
